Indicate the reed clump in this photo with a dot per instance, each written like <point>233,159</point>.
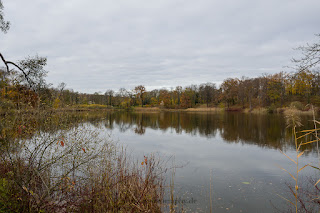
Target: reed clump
<point>124,186</point>
<point>304,198</point>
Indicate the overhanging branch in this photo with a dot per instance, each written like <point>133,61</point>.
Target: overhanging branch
<point>30,82</point>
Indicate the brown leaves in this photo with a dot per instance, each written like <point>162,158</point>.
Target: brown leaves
<point>21,129</point>
<point>145,161</point>
<point>61,143</point>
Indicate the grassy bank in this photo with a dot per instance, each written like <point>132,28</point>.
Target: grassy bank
<point>157,109</point>
<point>258,110</point>
<point>204,109</point>
<point>146,109</point>
<point>101,108</point>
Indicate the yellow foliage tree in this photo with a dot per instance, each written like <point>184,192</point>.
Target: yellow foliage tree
<point>56,103</point>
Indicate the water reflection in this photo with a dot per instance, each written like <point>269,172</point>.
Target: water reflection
<point>238,148</point>
<point>262,130</point>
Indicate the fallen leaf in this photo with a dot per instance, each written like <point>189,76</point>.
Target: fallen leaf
<point>246,183</point>
<point>25,188</point>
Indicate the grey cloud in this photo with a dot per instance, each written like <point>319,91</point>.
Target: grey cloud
<point>99,45</point>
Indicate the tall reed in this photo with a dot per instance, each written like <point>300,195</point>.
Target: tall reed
<point>293,121</point>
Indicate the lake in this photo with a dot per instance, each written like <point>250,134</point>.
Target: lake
<point>235,157</point>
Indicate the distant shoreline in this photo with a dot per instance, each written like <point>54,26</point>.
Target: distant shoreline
<point>259,110</point>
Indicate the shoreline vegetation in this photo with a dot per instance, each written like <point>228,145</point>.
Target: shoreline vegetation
<point>201,109</point>
<point>51,163</point>
<point>261,110</point>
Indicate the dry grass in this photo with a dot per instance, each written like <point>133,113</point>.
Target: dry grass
<point>90,106</point>
<point>199,109</point>
<point>288,110</point>
<point>260,110</point>
<point>73,170</point>
<point>106,186</point>
<point>210,109</point>
<point>147,109</point>
<point>300,138</point>
<point>124,186</point>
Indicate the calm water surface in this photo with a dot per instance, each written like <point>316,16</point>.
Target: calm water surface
<point>238,154</point>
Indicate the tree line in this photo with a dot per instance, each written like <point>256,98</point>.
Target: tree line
<point>278,89</point>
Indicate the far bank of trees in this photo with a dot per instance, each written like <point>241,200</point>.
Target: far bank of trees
<point>23,85</point>
<point>278,89</point>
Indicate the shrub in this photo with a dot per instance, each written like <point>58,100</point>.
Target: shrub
<point>73,169</point>
<point>272,108</point>
<point>297,105</point>
<point>221,105</point>
<point>91,106</point>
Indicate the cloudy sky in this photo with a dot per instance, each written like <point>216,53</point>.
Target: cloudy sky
<point>95,45</point>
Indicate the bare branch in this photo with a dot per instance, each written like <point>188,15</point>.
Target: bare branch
<point>310,58</point>
<point>30,82</point>
<point>4,61</point>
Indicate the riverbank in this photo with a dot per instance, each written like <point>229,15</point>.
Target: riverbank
<point>96,107</point>
<point>259,110</point>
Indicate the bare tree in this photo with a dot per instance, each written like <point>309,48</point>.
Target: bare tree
<point>140,90</point>
<point>4,25</point>
<point>32,68</point>
<point>207,92</point>
<point>179,91</point>
<point>311,56</point>
<point>62,86</point>
<point>109,94</point>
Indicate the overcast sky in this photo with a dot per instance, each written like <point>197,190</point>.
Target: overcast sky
<point>95,45</point>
